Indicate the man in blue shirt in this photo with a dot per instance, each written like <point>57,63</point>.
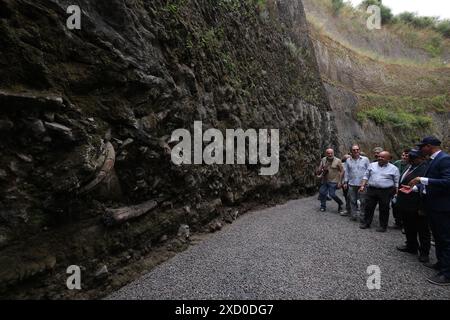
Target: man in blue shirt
<point>355,167</point>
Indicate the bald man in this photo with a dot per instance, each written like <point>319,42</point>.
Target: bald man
<point>331,172</point>
<point>381,180</point>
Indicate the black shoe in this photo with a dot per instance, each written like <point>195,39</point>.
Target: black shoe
<point>353,219</point>
<point>434,266</point>
<point>397,226</point>
<point>424,258</point>
<point>381,229</point>
<point>439,280</point>
<point>364,226</point>
<point>406,249</point>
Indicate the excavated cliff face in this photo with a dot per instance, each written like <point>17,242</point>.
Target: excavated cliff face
<point>351,79</point>
<point>86,117</point>
<point>355,82</point>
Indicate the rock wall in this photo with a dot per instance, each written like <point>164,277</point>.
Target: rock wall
<point>386,88</point>
<point>86,117</point>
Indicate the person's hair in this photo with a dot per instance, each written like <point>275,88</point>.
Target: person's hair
<point>378,149</point>
<point>407,150</point>
<point>416,154</point>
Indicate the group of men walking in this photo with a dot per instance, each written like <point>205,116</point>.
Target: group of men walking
<point>417,187</point>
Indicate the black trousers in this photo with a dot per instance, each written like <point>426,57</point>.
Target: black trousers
<point>417,228</point>
<point>440,226</point>
<point>382,197</point>
<point>398,215</point>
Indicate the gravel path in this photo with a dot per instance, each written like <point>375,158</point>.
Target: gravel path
<point>290,251</point>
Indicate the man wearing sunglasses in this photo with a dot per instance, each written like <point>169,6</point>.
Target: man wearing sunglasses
<point>355,167</point>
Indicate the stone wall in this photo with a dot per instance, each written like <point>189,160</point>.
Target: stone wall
<point>355,83</point>
<point>86,117</point>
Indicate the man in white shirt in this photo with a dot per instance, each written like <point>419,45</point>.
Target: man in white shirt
<point>382,179</point>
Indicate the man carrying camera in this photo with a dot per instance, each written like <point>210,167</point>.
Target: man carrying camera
<point>331,172</point>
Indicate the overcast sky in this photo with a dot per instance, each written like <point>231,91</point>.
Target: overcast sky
<point>436,8</point>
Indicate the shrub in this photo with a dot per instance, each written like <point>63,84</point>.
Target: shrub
<point>425,22</point>
<point>434,46</point>
<point>364,4</point>
<point>410,18</point>
<point>386,13</point>
<point>443,27</point>
<point>337,5</point>
<point>417,21</point>
<point>441,103</point>
<point>261,4</point>
<point>396,118</point>
<point>406,17</point>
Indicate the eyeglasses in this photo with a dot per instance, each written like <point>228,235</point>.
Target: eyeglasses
<point>355,150</point>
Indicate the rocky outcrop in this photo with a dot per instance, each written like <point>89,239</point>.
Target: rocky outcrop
<point>86,117</point>
<point>363,71</point>
<point>354,82</point>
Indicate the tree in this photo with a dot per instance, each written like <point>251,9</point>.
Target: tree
<point>386,13</point>
<point>337,6</point>
<point>443,27</point>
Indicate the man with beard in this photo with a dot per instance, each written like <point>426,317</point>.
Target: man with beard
<point>331,172</point>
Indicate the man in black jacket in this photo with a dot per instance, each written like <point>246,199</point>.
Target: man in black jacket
<point>435,186</point>
<point>410,207</point>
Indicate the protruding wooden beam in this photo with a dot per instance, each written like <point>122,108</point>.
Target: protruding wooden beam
<point>120,215</point>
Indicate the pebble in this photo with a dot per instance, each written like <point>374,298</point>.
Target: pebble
<point>291,251</point>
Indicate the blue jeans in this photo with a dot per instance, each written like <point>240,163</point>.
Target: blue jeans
<point>328,188</point>
<point>355,195</point>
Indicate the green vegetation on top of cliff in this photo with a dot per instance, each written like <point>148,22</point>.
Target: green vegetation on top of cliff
<point>412,19</point>
<point>405,39</point>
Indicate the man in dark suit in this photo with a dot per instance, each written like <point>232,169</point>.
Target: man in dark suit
<point>435,187</point>
<point>409,205</point>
